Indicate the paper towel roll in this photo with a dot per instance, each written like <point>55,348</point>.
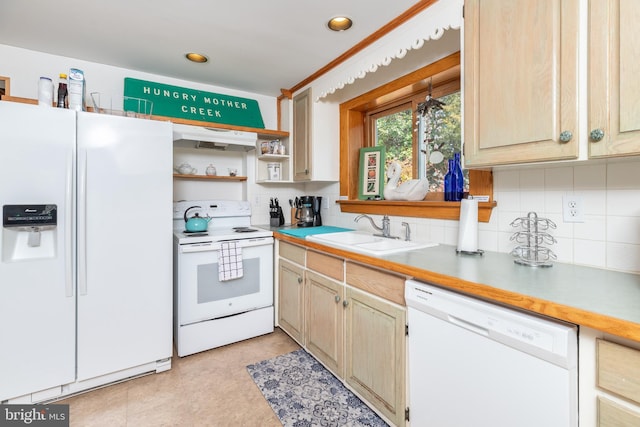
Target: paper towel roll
<point>468,227</point>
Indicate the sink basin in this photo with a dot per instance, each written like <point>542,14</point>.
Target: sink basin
<point>368,244</point>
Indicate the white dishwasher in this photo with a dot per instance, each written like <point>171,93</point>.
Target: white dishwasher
<point>477,364</point>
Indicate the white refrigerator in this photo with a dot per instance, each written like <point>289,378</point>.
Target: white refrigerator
<point>85,250</point>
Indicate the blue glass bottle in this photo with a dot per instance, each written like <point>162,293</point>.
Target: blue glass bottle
<point>448,182</point>
<point>457,179</point>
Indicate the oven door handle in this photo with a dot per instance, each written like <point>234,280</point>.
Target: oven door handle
<point>199,248</point>
<point>215,246</point>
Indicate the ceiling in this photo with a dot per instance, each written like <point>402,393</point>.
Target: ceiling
<point>253,45</point>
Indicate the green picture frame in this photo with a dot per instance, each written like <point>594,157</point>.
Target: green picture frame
<point>372,165</point>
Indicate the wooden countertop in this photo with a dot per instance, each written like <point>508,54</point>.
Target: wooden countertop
<point>605,300</point>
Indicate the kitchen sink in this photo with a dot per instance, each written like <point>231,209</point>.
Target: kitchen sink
<point>365,243</point>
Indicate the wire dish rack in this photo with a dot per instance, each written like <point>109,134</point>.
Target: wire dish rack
<point>131,107</point>
<point>531,238</point>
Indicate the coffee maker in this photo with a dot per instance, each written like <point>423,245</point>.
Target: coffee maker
<point>308,211</point>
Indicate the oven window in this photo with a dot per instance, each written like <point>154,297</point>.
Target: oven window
<point>210,289</point>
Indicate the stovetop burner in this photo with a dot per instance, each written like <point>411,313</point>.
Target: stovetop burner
<point>195,233</point>
<point>244,229</point>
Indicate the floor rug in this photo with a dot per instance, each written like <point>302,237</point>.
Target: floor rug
<point>303,393</point>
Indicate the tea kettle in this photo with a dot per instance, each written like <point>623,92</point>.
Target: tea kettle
<point>186,169</point>
<point>196,222</point>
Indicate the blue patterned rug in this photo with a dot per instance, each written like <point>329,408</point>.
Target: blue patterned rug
<point>303,393</point>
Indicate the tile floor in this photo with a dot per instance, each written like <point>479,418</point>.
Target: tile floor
<point>211,388</point>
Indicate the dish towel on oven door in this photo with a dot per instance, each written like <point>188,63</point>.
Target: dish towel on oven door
<point>229,261</point>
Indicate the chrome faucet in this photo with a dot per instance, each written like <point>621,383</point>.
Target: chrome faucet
<point>407,231</point>
<point>385,229</point>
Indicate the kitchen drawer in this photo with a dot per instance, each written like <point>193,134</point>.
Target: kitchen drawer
<point>326,264</point>
<point>385,285</point>
<point>619,369</point>
<point>292,252</point>
<point>611,414</point>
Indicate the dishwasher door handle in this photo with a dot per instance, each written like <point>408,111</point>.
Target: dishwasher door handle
<point>468,325</point>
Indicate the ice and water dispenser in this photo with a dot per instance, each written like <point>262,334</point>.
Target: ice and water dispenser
<point>29,232</point>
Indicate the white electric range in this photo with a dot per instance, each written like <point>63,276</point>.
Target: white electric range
<point>211,308</point>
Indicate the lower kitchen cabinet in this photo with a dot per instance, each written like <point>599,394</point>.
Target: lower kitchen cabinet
<point>375,352</point>
<point>609,380</point>
<point>291,299</point>
<point>324,335</point>
<point>611,414</point>
<point>618,373</point>
<point>352,319</point>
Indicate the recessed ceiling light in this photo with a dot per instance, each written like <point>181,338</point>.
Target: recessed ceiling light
<point>196,57</point>
<point>340,23</point>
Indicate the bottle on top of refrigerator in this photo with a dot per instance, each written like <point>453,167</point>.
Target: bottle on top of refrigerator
<point>45,92</point>
<point>76,89</point>
<point>62,92</point>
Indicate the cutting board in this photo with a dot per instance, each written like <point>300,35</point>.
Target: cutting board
<point>303,232</point>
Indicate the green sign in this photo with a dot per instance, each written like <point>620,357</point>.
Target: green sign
<point>183,103</point>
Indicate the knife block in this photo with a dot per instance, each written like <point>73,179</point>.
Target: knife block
<point>294,221</point>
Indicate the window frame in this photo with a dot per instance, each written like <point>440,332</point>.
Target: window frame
<point>353,136</point>
<point>408,102</point>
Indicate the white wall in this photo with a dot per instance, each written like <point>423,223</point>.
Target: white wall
<point>25,67</point>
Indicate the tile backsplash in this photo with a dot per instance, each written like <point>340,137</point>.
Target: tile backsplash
<point>608,238</point>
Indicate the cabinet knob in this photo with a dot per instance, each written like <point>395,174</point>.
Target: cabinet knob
<point>345,303</point>
<point>565,136</point>
<point>299,279</point>
<point>337,298</point>
<point>596,135</point>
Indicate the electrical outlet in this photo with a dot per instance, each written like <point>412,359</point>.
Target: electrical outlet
<point>572,208</point>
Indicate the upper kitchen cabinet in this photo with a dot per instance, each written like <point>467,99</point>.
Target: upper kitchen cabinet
<point>521,81</point>
<point>302,136</point>
<point>614,87</point>
<point>315,148</point>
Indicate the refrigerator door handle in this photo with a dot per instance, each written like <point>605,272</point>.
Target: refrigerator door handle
<point>82,226</point>
<point>68,248</point>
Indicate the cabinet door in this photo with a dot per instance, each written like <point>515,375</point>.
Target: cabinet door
<point>302,136</point>
<point>520,81</point>
<point>611,414</point>
<point>614,87</point>
<point>325,320</point>
<point>290,300</point>
<point>375,352</point>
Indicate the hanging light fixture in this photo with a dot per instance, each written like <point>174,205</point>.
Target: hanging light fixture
<point>430,104</point>
<point>431,110</point>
